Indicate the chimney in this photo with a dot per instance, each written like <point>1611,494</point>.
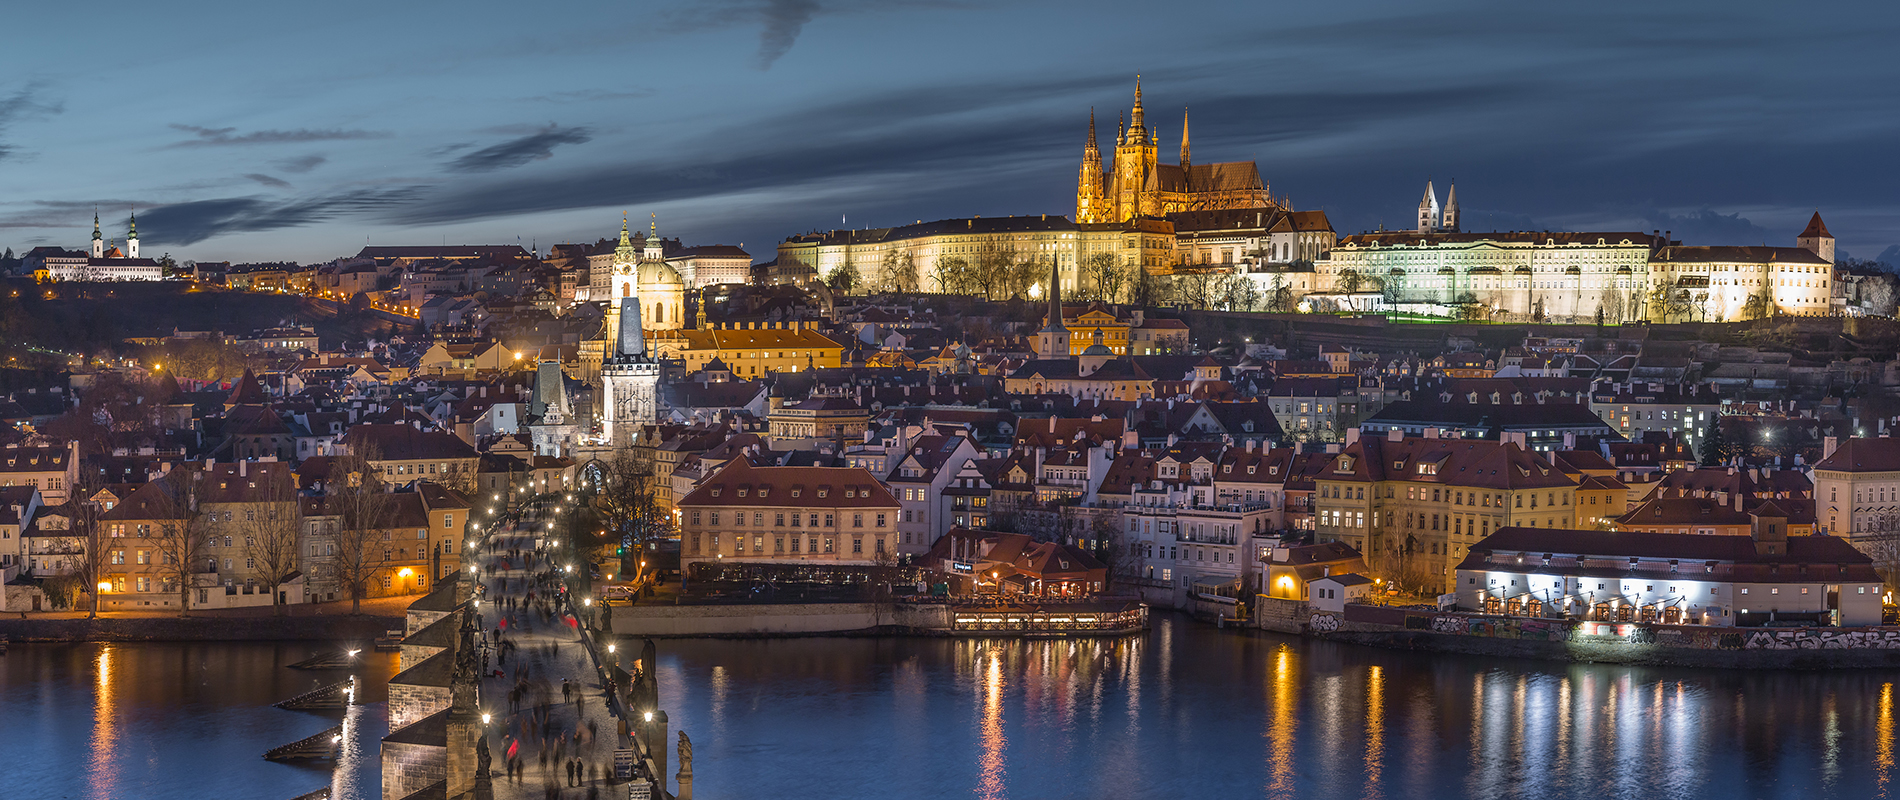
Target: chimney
<point>1570,440</point>
<point>1395,435</point>
<point>1828,444</point>
<point>1738,501</point>
<point>1431,433</point>
<point>1352,436</point>
<point>243,468</point>
<point>1250,444</point>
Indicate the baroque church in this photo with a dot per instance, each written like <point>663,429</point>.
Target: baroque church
<point>1136,185</point>
<point>641,277</point>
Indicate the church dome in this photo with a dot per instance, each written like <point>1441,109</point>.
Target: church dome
<point>659,274</point>
<point>1098,349</point>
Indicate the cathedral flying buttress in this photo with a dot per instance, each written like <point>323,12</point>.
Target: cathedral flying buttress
<point>1137,185</point>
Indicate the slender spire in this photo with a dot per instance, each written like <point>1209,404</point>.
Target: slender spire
<point>1137,124</point>
<point>134,232</point>
<point>653,226</point>
<point>1055,298</point>
<point>632,340</point>
<point>624,240</point>
<point>1091,144</point>
<point>1184,136</point>
<point>96,235</point>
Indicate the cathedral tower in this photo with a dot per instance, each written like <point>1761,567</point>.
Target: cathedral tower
<point>1134,163</point>
<point>1089,200</point>
<point>132,237</point>
<point>1451,208</point>
<point>1187,171</point>
<point>1428,210</point>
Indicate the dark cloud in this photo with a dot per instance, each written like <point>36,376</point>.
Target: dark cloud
<point>27,103</point>
<point>301,164</point>
<point>784,19</point>
<point>198,220</point>
<point>1706,226</point>
<point>215,137</point>
<point>592,96</point>
<point>515,152</point>
<point>268,180</point>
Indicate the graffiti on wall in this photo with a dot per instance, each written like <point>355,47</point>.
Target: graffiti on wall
<point>1812,639</point>
<point>1501,627</point>
<point>1322,622</point>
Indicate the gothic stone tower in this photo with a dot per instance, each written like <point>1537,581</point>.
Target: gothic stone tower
<point>630,381</point>
<point>1053,341</point>
<point>1135,157</point>
<point>1090,203</point>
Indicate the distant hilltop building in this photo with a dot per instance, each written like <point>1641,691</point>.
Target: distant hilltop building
<point>1575,276</point>
<point>105,262</point>
<point>1137,185</point>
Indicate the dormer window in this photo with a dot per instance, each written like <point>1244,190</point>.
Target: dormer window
<point>822,493</point>
<point>850,493</point>
<point>1270,470</point>
<point>794,492</point>
<point>1428,469</point>
<point>1249,469</point>
<point>742,491</point>
<point>1345,464</point>
<point>764,490</point>
<point>715,491</point>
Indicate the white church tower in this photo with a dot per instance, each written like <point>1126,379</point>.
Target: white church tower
<point>98,240</point>
<point>629,380</point>
<point>1451,209</point>
<point>1428,213</point>
<point>132,236</point>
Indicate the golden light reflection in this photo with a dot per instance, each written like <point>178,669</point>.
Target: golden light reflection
<point>1281,726</point>
<point>990,781</point>
<point>1375,729</point>
<point>105,733</point>
<point>1883,740</point>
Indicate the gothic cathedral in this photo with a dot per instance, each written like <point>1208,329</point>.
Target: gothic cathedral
<point>1136,186</point>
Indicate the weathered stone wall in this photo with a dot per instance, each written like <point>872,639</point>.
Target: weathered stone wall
<point>408,703</point>
<point>1280,614</point>
<point>195,629</point>
<point>413,654</point>
<point>408,768</point>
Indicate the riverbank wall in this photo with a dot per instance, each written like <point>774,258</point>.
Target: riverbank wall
<point>898,619</point>
<point>198,629</point>
<point>1593,642</point>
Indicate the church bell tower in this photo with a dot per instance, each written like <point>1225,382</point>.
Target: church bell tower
<point>629,380</point>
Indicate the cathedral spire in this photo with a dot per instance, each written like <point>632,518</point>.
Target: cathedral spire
<point>1091,145</point>
<point>1055,298</point>
<point>1137,124</point>
<point>1184,137</point>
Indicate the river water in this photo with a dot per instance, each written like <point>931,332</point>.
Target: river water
<point>1185,711</point>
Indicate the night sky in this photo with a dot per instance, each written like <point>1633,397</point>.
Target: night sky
<point>270,131</point>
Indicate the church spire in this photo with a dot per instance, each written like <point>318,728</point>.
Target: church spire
<point>1091,145</point>
<point>654,252</point>
<point>631,340</point>
<point>98,239</point>
<point>1055,298</point>
<point>624,240</point>
<point>1137,125</point>
<point>96,236</point>
<point>1184,138</point>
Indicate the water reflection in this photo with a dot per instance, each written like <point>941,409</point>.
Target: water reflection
<point>990,783</point>
<point>1177,714</point>
<point>175,720</point>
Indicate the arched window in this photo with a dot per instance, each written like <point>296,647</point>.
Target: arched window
<point>659,313</point>
<point>626,290</point>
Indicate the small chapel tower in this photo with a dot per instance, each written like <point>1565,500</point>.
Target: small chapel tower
<point>1053,341</point>
<point>1428,212</point>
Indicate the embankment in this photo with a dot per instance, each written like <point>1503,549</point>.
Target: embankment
<point>790,619</point>
<point>198,629</point>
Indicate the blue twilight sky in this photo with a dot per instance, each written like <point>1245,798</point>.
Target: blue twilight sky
<point>268,131</point>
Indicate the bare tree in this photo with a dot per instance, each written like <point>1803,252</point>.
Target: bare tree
<point>182,534</point>
<point>995,264</point>
<point>271,534</point>
<point>1103,277</point>
<point>898,273</point>
<point>364,510</point>
<point>1879,538</point>
<point>627,504</point>
<point>83,511</point>
<point>952,275</point>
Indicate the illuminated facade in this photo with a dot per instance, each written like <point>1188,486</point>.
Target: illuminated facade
<point>1136,185</point>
